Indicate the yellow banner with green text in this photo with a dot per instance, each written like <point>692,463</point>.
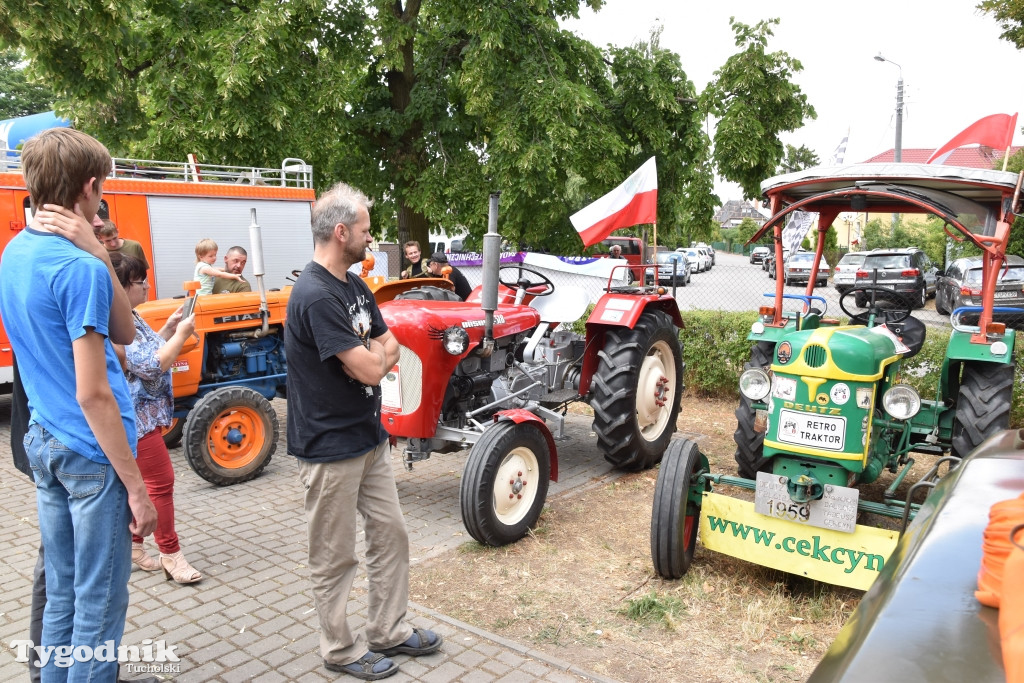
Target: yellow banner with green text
<point>731,527</point>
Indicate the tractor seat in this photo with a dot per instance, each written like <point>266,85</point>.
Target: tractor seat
<point>910,331</point>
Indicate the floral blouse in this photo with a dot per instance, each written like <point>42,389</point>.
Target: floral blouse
<point>151,389</point>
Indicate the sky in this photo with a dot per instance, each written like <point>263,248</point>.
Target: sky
<point>955,67</point>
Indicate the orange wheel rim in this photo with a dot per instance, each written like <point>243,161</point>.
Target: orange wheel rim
<point>237,437</point>
<point>174,423</point>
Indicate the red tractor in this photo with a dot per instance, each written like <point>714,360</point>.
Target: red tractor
<point>494,371</point>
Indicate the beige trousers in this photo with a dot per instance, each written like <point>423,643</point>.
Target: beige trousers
<point>335,491</point>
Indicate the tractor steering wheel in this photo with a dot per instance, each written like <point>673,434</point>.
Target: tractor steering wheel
<point>875,313</point>
<point>526,284</point>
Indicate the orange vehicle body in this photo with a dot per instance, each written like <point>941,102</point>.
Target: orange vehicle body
<point>168,207</point>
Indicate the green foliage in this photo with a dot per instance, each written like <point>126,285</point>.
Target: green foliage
<point>747,228</point>
<point>715,347</point>
<point>18,95</point>
<point>1010,15</point>
<point>797,159</point>
<point>755,99</point>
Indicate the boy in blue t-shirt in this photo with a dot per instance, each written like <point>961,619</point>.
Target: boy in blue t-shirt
<point>61,308</point>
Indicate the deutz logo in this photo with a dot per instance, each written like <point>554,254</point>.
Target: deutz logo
<point>811,409</point>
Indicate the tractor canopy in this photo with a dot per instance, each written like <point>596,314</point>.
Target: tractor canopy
<point>978,204</point>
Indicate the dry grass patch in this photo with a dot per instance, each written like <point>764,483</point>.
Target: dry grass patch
<point>582,588</point>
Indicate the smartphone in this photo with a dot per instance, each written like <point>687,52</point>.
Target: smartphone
<point>187,307</point>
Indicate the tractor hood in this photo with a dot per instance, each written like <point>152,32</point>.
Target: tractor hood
<point>852,353</point>
<point>409,319</point>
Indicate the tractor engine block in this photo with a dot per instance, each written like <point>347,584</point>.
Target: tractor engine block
<point>241,355</point>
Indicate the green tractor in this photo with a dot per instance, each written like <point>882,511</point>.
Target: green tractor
<point>823,405</point>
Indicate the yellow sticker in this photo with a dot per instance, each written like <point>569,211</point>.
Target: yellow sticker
<point>731,527</point>
<point>822,399</point>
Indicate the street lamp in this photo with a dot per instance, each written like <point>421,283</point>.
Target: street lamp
<point>899,106</point>
<point>899,124</point>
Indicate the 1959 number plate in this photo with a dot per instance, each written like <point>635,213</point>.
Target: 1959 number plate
<point>836,509</point>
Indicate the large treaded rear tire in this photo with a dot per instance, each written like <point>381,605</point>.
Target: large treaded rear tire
<point>636,391</point>
<point>674,518</point>
<point>429,293</point>
<point>983,405</point>
<point>750,443</point>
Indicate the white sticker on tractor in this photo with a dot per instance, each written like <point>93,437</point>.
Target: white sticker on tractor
<point>179,366</point>
<point>812,430</point>
<point>840,394</point>
<point>611,316</point>
<point>785,388</point>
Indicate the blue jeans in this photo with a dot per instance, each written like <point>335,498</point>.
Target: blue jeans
<point>83,522</point>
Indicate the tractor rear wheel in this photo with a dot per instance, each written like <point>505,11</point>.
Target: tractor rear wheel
<point>429,293</point>
<point>674,517</point>
<point>505,483</point>
<point>230,435</point>
<point>636,391</point>
<point>172,434</point>
<point>749,442</point>
<point>983,405</point>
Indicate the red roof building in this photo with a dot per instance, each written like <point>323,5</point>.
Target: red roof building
<point>970,157</point>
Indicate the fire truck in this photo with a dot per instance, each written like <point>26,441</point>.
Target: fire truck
<point>168,206</point>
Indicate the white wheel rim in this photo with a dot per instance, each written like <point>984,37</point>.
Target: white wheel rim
<point>655,392</point>
<point>515,485</point>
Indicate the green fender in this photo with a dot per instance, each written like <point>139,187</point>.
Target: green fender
<point>961,349</point>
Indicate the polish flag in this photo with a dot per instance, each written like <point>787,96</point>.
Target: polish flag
<point>994,131</point>
<point>633,202</point>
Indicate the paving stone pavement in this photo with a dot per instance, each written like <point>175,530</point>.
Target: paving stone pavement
<point>252,617</point>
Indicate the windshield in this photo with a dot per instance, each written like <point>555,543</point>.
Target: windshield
<point>852,260</point>
<point>693,253</point>
<point>1011,274</point>
<point>802,256</point>
<point>887,261</point>
<point>669,257</point>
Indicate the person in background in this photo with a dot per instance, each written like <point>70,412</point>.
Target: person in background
<point>148,362</point>
<point>438,261</point>
<point>234,262</point>
<point>415,259</point>
<point>615,251</point>
<point>109,236</point>
<point>339,349</point>
<point>61,311</point>
<point>205,271</point>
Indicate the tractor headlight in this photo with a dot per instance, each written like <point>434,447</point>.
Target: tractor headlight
<point>755,384</point>
<point>901,402</point>
<point>455,340</point>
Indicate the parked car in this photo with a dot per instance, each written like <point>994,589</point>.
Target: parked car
<point>703,261</point>
<point>710,250</point>
<point>709,255</point>
<point>770,261</point>
<point>846,271</point>
<point>960,285</point>
<point>693,259</point>
<point>908,273</point>
<point>673,264</point>
<point>798,269</point>
<point>757,254</point>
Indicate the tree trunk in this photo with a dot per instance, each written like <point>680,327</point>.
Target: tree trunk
<point>412,225</point>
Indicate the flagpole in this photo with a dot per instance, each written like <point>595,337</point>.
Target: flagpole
<point>1006,156</point>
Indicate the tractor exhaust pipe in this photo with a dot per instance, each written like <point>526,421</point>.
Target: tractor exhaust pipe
<point>258,270</point>
<point>489,286</point>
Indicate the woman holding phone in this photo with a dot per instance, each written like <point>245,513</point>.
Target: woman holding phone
<point>147,362</point>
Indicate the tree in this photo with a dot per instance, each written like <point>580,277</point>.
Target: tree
<point>1010,15</point>
<point>797,159</point>
<point>18,96</point>
<point>755,101</point>
<point>427,105</point>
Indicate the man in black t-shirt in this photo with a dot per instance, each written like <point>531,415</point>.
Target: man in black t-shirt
<point>338,350</point>
<point>436,266</point>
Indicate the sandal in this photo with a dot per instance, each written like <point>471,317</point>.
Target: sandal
<point>144,560</point>
<point>421,642</point>
<point>177,567</point>
<point>372,666</point>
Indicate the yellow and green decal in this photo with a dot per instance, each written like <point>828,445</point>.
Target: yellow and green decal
<point>732,527</point>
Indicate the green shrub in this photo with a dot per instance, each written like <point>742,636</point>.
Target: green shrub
<point>715,347</point>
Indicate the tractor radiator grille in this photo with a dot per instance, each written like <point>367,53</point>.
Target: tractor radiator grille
<point>411,379</point>
<point>814,356</point>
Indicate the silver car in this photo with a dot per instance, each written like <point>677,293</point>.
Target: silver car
<point>846,271</point>
<point>670,263</point>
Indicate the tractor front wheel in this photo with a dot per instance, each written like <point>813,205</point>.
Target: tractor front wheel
<point>230,435</point>
<point>505,483</point>
<point>674,517</point>
<point>636,391</point>
<point>983,405</point>
<point>750,442</point>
